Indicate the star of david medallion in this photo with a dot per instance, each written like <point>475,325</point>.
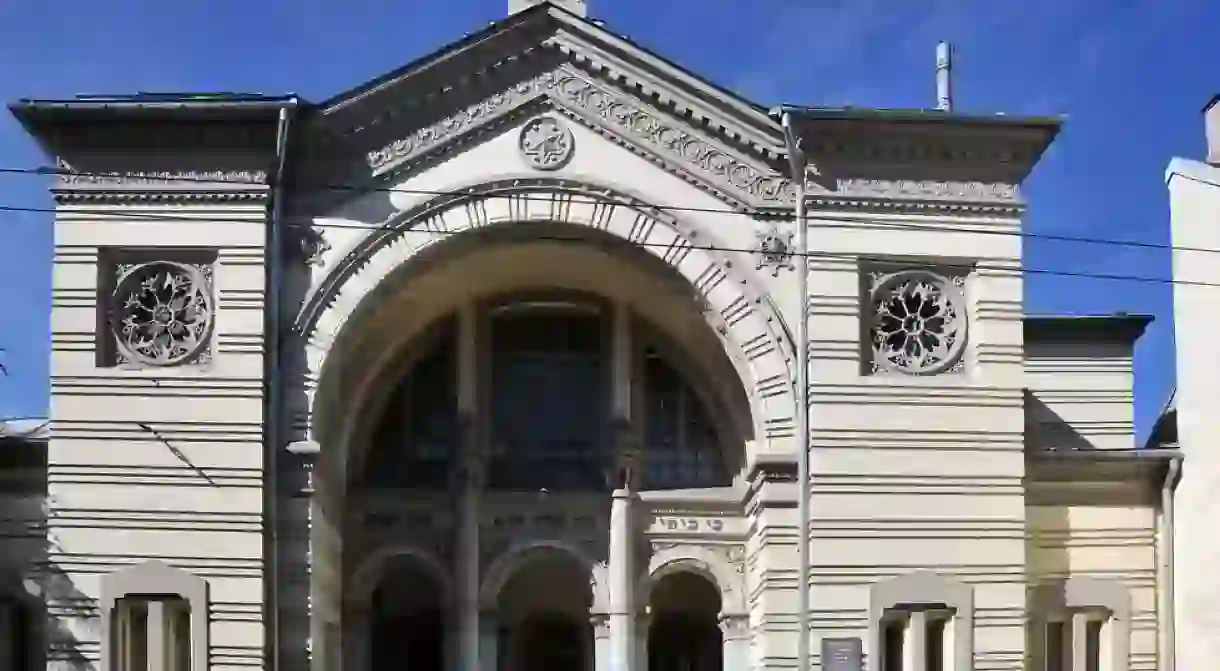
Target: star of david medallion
<point>546,144</point>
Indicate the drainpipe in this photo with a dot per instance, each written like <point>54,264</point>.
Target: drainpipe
<point>1167,604</point>
<point>273,385</point>
<point>796,163</point>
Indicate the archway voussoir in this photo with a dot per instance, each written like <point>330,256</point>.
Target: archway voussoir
<point>749,325</point>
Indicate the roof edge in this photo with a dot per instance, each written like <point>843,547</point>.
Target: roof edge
<point>1135,454</point>
<point>39,114</point>
<point>1190,168</point>
<point>917,115</point>
<point>1121,328</point>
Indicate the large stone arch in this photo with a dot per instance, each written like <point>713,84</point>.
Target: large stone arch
<point>364,578</point>
<point>503,566</point>
<point>701,561</point>
<point>743,314</point>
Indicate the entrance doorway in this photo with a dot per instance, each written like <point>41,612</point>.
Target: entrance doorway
<point>543,610</point>
<point>408,628</point>
<point>684,634</point>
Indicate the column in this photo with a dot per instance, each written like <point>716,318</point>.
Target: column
<point>1080,641</point>
<point>915,641</point>
<point>622,527</point>
<point>735,637</point>
<point>622,603</point>
<point>156,633</point>
<point>642,623</point>
<point>601,641</point>
<point>468,485</point>
<point>489,639</point>
<point>8,632</point>
<point>948,649</point>
<point>359,648</point>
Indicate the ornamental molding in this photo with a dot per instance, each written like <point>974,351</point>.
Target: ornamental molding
<point>162,314</point>
<point>917,322</point>
<point>740,180</point>
<point>775,251</point>
<point>546,143</point>
<point>754,333</point>
<point>182,185</point>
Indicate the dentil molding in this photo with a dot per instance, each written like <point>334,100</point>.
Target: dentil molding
<point>741,180</point>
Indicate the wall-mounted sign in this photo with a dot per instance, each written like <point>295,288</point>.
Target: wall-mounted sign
<point>841,654</point>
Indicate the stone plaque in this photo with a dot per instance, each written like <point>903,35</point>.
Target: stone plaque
<point>841,654</point>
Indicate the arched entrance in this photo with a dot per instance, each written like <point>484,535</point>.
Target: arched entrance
<point>684,627</point>
<point>407,628</point>
<point>518,365</point>
<point>542,615</point>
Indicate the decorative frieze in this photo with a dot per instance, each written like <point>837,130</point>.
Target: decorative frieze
<point>430,137</point>
<point>162,179</point>
<point>223,185</point>
<point>927,189</point>
<point>678,148</point>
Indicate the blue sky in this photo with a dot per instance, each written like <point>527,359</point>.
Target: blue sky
<point>1125,72</point>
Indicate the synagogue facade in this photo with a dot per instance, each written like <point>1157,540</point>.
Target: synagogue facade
<point>493,362</point>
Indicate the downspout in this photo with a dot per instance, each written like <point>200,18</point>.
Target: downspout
<point>796,163</point>
<point>1168,603</point>
<point>273,385</point>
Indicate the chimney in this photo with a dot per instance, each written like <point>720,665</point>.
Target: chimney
<point>944,77</point>
<point>577,7</point>
<point>1211,123</point>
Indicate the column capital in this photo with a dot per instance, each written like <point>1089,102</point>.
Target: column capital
<point>735,626</point>
<point>627,455</point>
<point>601,625</point>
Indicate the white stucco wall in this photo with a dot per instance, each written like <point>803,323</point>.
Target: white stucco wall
<point>1194,193</point>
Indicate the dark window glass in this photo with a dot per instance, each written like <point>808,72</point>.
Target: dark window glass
<point>548,410</point>
<point>1055,646</point>
<point>681,448</point>
<point>934,651</point>
<point>412,447</point>
<point>1092,646</point>
<point>891,644</point>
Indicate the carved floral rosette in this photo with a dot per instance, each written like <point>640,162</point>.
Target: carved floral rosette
<point>162,313</point>
<point>917,322</point>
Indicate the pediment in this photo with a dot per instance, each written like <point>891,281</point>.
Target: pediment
<point>546,58</point>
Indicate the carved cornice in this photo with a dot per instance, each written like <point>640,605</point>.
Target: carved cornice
<point>186,185</point>
<point>427,139</point>
<point>745,182</point>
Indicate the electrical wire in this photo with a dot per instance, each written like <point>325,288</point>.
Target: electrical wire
<point>832,221</point>
<point>118,216</point>
<point>113,215</point>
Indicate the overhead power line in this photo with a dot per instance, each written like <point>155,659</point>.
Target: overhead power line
<point>120,216</point>
<point>829,221</point>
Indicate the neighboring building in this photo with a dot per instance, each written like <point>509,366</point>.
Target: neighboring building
<point>493,357</point>
<point>23,491</point>
<point>1191,419</point>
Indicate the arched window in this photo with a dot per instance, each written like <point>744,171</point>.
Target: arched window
<point>154,616</point>
<point>681,448</point>
<point>414,444</point>
<point>543,375</point>
<point>548,384</point>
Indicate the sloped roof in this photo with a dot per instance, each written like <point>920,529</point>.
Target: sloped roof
<point>24,429</point>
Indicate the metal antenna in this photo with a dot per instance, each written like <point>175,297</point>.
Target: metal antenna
<point>944,77</point>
